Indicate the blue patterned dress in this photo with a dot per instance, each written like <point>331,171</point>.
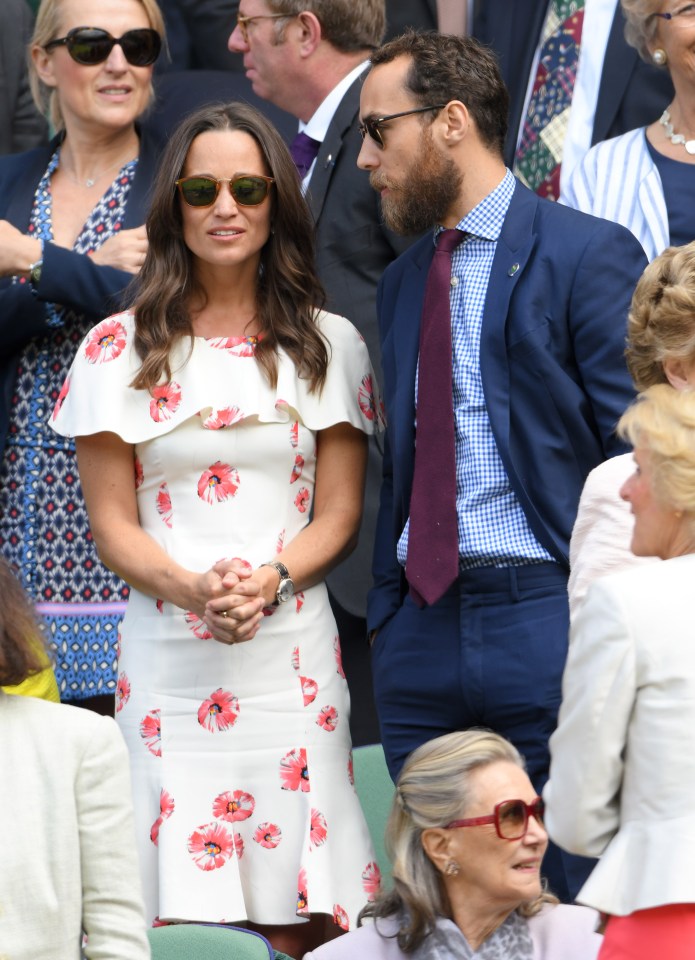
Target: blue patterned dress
<point>44,530</point>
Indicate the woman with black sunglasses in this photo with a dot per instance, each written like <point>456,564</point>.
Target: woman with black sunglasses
<point>71,239</point>
<point>221,437</point>
<point>466,839</point>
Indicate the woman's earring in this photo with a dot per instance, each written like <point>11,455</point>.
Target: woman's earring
<point>659,57</point>
<point>452,869</point>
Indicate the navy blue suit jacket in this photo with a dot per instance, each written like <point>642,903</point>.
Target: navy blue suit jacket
<point>67,278</point>
<point>552,367</point>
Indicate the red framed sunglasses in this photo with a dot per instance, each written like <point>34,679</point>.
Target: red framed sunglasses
<point>510,818</point>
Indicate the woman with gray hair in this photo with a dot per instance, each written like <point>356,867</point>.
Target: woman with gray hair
<point>466,838</point>
<point>645,179</point>
<point>623,755</point>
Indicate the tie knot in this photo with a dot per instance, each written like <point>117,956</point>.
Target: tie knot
<point>304,150</point>
<point>448,240</point>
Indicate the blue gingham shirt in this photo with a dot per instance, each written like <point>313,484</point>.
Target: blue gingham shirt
<point>492,527</point>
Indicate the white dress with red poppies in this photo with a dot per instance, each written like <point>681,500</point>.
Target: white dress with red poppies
<point>241,762</point>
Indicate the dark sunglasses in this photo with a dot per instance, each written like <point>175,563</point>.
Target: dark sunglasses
<point>92,45</point>
<point>372,125</point>
<point>247,189</point>
<point>510,818</point>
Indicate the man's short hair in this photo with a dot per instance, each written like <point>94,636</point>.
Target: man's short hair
<point>445,68</point>
<point>349,25</point>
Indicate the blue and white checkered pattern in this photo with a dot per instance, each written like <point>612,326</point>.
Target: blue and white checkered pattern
<point>493,530</point>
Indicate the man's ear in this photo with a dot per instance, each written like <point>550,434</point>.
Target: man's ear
<point>457,119</point>
<point>310,32</point>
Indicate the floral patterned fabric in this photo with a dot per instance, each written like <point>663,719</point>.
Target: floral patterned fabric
<point>44,529</point>
<point>240,755</point>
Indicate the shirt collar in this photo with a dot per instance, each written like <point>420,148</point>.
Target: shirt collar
<point>318,124</point>
<point>487,218</point>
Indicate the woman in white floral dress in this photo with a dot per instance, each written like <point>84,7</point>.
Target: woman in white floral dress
<point>242,413</point>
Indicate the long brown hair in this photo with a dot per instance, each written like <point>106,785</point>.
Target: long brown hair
<point>22,651</point>
<point>288,290</point>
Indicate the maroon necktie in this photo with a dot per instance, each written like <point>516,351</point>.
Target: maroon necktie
<point>304,150</point>
<point>432,561</point>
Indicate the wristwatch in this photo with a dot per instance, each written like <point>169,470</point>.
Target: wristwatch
<point>35,269</point>
<point>285,590</point>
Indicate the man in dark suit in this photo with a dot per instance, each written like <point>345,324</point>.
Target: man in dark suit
<point>309,58</point>
<point>630,93</point>
<point>469,614</point>
<point>21,125</point>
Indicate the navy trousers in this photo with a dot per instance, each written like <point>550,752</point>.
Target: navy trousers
<point>490,654</point>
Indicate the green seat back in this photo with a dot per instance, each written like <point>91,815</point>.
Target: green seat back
<point>194,941</point>
<point>375,790</point>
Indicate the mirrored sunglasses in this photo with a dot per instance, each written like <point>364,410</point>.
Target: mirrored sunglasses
<point>510,818</point>
<point>247,189</point>
<point>92,45</point>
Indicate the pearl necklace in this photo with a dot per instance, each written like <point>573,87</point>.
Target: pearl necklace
<point>677,138</point>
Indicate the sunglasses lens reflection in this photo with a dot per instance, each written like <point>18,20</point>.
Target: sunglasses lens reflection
<point>89,47</point>
<point>202,191</point>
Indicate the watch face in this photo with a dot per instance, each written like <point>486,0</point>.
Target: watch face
<point>285,590</point>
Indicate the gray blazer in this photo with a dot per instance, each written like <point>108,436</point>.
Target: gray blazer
<point>21,125</point>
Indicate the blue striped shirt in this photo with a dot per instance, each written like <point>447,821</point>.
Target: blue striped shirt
<point>492,527</point>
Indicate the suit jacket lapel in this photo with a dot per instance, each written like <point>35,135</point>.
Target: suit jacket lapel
<point>331,147</point>
<point>514,248</point>
<point>618,66</point>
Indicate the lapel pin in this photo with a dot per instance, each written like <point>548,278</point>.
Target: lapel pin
<point>512,270</point>
<point>329,161</point>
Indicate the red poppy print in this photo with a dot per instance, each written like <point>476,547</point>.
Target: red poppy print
<point>268,835</point>
<point>310,688</point>
<point>319,829</point>
<point>211,846</point>
<point>226,417</point>
<point>233,806</point>
<point>237,346</point>
<point>219,483</point>
<point>328,719</point>
<point>166,808</point>
<point>159,604</point>
<point>165,401</point>
<point>301,501</point>
<point>122,692</point>
<point>295,658</point>
<point>139,475</point>
<point>365,398</point>
<point>219,712</point>
<point>151,732</point>
<point>294,434</point>
<point>281,542</point>
<point>106,342</point>
<point>164,508</point>
<point>197,626</point>
<point>239,845</point>
<point>338,657</point>
<point>297,468</point>
<point>61,398</point>
<point>340,917</point>
<point>294,772</point>
<point>302,893</point>
<point>351,770</point>
<point>371,880</point>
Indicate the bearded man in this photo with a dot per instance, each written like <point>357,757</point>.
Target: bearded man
<point>504,376</point>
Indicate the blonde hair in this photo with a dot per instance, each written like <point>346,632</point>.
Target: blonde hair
<point>640,25</point>
<point>661,422</point>
<point>661,322</point>
<point>46,28</point>
<point>432,790</point>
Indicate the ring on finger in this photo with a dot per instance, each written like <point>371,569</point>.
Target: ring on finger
<point>224,613</point>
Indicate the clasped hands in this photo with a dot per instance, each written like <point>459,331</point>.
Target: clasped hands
<point>235,601</point>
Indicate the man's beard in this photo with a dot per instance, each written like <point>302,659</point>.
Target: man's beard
<point>428,193</point>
